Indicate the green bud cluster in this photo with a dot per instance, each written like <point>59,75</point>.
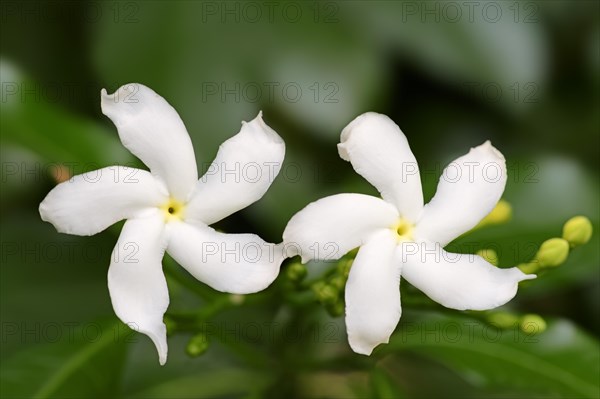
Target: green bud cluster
<point>529,323</point>
<point>577,231</point>
<point>532,324</point>
<point>330,291</point>
<point>503,320</point>
<point>554,252</point>
<point>490,255</point>
<point>197,345</point>
<point>296,272</point>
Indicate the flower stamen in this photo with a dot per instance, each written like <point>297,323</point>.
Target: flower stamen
<point>404,230</point>
<point>173,210</point>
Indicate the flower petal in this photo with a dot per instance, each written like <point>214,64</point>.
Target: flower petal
<point>88,203</point>
<point>328,228</point>
<point>235,263</point>
<point>468,190</point>
<point>458,281</point>
<point>243,170</point>
<point>373,293</point>
<point>153,131</point>
<point>379,151</point>
<point>137,285</point>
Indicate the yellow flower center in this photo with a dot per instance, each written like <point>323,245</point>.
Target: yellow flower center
<point>404,230</point>
<point>173,210</point>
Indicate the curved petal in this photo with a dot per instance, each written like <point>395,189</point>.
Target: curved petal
<point>379,151</point>
<point>328,228</point>
<point>137,285</point>
<point>458,281</point>
<point>88,203</point>
<point>235,263</point>
<point>373,293</point>
<point>468,190</point>
<point>242,172</point>
<point>153,131</point>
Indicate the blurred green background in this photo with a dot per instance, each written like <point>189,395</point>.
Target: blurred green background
<point>452,74</point>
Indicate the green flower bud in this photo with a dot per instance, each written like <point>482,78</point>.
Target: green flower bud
<point>336,309</point>
<point>553,252</point>
<point>338,282</point>
<point>197,345</point>
<point>503,320</point>
<point>325,293</point>
<point>577,231</point>
<point>501,213</point>
<point>236,299</point>
<point>296,272</point>
<point>490,255</point>
<point>529,268</point>
<point>533,324</point>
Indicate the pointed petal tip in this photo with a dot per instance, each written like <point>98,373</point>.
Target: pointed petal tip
<point>361,350</point>
<point>528,277</point>
<point>363,346</point>
<point>162,359</point>
<point>261,130</point>
<point>343,152</point>
<point>159,339</point>
<point>125,93</point>
<point>489,148</point>
<point>359,120</point>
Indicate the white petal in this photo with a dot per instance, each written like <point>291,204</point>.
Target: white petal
<point>137,285</point>
<point>235,263</point>
<point>458,281</point>
<point>88,203</point>
<point>330,227</point>
<point>153,131</point>
<point>379,151</point>
<point>373,293</point>
<point>468,190</point>
<point>243,170</point>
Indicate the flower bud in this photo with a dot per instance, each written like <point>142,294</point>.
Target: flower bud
<point>489,255</point>
<point>553,252</point>
<point>503,320</point>
<point>296,272</point>
<point>197,345</point>
<point>529,268</point>
<point>338,282</point>
<point>336,309</point>
<point>533,324</point>
<point>325,293</point>
<point>501,213</point>
<point>577,231</point>
<point>236,299</point>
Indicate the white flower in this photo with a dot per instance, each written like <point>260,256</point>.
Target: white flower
<point>398,235</point>
<point>169,209</point>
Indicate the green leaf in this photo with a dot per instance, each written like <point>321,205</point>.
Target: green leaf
<point>383,386</point>
<point>52,133</point>
<point>563,361</point>
<point>225,382</point>
<point>86,363</point>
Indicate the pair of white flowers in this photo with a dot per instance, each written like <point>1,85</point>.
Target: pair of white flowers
<point>170,209</point>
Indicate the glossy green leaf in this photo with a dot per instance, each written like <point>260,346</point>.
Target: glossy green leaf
<point>86,362</point>
<point>52,133</point>
<point>561,362</point>
<point>228,382</point>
